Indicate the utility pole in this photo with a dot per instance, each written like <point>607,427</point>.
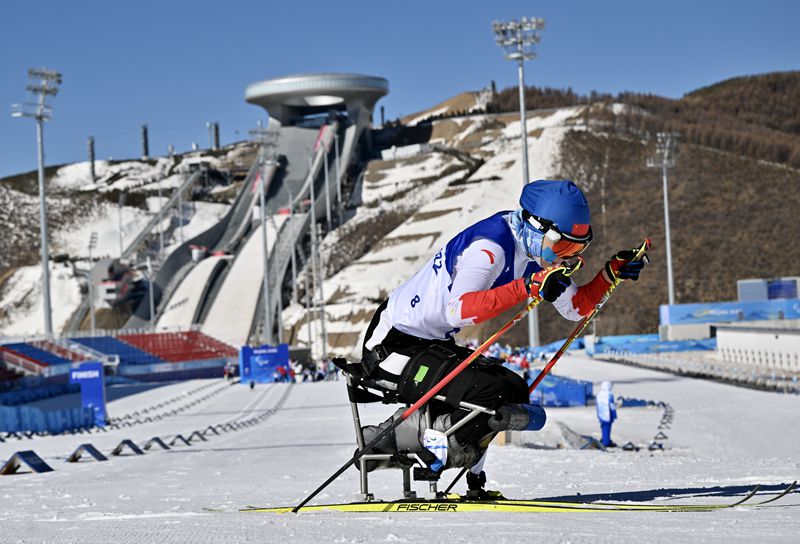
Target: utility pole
<point>180,212</point>
<point>160,225</point>
<point>92,245</point>
<point>145,144</point>
<point>338,179</point>
<point>518,38</point>
<point>120,204</point>
<point>152,298</point>
<point>91,159</point>
<point>316,277</point>
<point>294,260</point>
<point>309,325</point>
<point>324,150</point>
<point>665,159</point>
<point>267,140</point>
<point>43,83</point>
<point>322,306</point>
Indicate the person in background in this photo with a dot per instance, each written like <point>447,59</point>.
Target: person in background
<point>333,371</point>
<point>606,412</point>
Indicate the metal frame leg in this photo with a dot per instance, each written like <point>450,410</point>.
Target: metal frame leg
<point>365,495</point>
<point>408,493</point>
<point>433,486</point>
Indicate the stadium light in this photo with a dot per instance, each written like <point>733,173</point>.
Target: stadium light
<point>43,83</point>
<point>267,141</point>
<point>665,159</point>
<point>518,38</point>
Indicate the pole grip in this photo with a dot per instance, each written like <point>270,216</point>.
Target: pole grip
<point>640,251</point>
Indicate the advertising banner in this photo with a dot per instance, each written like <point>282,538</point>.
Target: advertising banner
<point>725,312</point>
<point>264,364</point>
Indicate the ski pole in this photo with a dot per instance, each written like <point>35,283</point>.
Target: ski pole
<point>433,391</point>
<point>455,480</point>
<point>585,321</point>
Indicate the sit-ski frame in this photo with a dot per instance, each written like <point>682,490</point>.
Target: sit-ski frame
<point>412,458</point>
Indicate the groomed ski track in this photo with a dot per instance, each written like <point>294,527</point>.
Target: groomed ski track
<point>722,442</point>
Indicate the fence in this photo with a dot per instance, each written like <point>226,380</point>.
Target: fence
<point>18,419</point>
<point>706,365</point>
<point>561,391</point>
<point>23,396</point>
<point>644,343</point>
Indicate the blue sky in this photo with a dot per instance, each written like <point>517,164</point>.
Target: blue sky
<point>176,65</point>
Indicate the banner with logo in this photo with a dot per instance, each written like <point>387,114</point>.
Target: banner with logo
<point>264,364</point>
<point>724,312</point>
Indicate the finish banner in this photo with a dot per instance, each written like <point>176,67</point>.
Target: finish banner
<point>93,392</point>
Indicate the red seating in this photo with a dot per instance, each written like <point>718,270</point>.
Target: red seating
<point>180,346</point>
<point>12,359</point>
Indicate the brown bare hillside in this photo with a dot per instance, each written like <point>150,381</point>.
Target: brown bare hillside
<point>460,103</point>
<point>731,217</point>
<point>756,116</point>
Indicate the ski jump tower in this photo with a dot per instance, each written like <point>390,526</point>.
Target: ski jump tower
<point>343,105</point>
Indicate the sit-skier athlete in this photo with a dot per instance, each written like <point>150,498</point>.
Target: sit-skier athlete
<point>483,271</point>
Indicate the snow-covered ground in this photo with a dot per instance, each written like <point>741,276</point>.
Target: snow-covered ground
<point>21,303</point>
<point>104,219</point>
<point>22,307</point>
<point>722,441</point>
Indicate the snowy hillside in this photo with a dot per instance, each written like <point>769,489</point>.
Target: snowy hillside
<point>723,441</point>
<point>76,209</point>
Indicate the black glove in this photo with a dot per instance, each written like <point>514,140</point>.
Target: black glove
<point>623,266</point>
<point>548,283</point>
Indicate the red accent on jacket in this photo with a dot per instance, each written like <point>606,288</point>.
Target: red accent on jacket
<point>483,305</point>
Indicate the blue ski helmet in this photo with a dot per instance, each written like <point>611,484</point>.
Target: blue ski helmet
<point>561,203</point>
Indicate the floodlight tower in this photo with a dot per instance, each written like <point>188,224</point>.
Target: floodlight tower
<point>267,140</point>
<point>665,159</point>
<point>43,83</point>
<point>518,38</point>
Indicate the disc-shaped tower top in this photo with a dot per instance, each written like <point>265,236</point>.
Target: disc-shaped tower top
<point>292,97</point>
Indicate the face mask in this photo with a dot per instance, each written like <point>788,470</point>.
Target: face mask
<point>529,239</point>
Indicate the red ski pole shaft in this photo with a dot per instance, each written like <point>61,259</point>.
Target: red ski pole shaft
<point>584,322</point>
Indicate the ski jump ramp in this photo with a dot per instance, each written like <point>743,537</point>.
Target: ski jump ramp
<point>230,317</point>
<point>224,295</point>
<point>188,297</point>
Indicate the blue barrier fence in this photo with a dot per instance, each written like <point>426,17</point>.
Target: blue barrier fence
<point>24,396</point>
<point>723,312</point>
<point>561,391</point>
<point>24,419</point>
<point>531,353</point>
<point>646,343</point>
